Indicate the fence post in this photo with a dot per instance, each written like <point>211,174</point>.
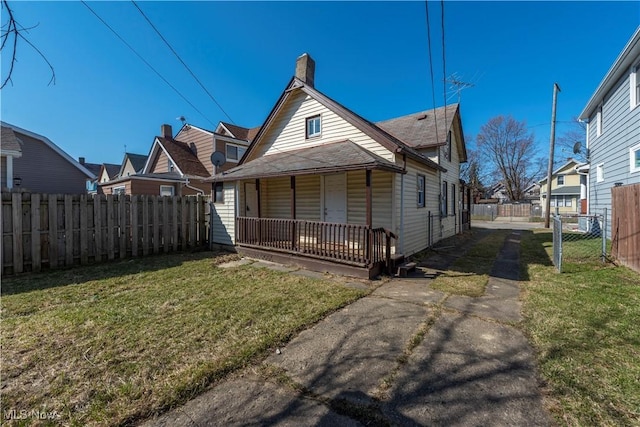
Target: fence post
<point>604,236</point>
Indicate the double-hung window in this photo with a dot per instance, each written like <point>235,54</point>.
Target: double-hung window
<point>421,191</point>
<point>634,84</point>
<point>218,192</point>
<point>634,159</point>
<point>444,208</point>
<point>235,152</point>
<point>560,179</point>
<point>313,126</point>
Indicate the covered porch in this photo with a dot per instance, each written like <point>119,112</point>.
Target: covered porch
<point>317,208</point>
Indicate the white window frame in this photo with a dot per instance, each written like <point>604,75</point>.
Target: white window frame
<point>453,199</point>
<point>633,168</point>
<point>634,86</point>
<point>444,207</point>
<point>215,197</point>
<point>421,193</point>
<point>568,201</point>
<point>121,189</point>
<point>599,121</point>
<point>558,180</point>
<point>238,155</point>
<point>163,188</point>
<point>600,172</point>
<point>317,129</point>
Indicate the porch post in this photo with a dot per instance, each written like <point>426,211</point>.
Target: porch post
<point>369,213</point>
<point>293,213</point>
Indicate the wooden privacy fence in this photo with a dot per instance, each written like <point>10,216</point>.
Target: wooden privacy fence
<point>52,230</point>
<point>625,225</point>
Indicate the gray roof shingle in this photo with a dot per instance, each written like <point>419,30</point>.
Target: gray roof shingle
<point>418,130</point>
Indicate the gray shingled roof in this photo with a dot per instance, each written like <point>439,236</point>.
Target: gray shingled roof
<point>567,191</point>
<point>137,161</point>
<point>337,156</point>
<point>418,130</point>
<point>10,140</point>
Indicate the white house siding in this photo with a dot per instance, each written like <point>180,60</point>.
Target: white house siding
<point>415,218</point>
<point>449,223</point>
<point>223,217</point>
<point>287,132</point>
<point>382,198</point>
<point>275,197</point>
<point>620,132</point>
<point>308,197</point>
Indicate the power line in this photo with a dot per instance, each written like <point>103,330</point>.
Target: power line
<point>433,86</point>
<point>181,61</point>
<point>146,62</point>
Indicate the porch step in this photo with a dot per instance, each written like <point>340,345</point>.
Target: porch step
<point>405,268</point>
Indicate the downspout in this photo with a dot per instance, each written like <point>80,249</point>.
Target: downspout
<point>186,184</point>
<point>401,234</point>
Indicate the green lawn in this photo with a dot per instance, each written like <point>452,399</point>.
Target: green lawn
<point>115,343</point>
<point>584,326</point>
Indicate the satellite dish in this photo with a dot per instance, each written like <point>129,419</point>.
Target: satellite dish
<point>577,147</point>
<point>218,159</point>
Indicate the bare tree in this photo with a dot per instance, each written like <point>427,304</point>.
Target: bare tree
<point>472,173</point>
<point>11,32</point>
<point>566,142</point>
<point>509,151</point>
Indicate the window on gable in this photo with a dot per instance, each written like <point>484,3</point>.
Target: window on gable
<point>313,127</point>
<point>560,179</point>
<point>235,152</point>
<point>170,166</point>
<point>444,208</point>
<point>421,191</point>
<point>634,159</point>
<point>599,121</point>
<point>218,192</point>
<point>600,172</point>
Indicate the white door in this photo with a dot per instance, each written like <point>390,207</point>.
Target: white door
<point>335,198</point>
<point>251,200</point>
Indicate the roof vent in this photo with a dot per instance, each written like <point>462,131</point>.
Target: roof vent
<point>422,117</point>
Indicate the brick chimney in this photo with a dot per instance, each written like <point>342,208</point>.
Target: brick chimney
<point>81,160</point>
<point>306,69</point>
<point>166,131</point>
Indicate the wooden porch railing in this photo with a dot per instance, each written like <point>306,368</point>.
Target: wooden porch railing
<point>345,243</point>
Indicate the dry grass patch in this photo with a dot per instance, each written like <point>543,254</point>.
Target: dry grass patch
<point>469,274</point>
<point>113,344</point>
<point>584,325</point>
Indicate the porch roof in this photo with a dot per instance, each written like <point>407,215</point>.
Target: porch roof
<point>335,157</point>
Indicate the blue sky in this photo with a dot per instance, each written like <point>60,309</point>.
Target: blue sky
<point>370,56</point>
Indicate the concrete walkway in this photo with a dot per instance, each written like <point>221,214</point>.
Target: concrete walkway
<point>404,355</point>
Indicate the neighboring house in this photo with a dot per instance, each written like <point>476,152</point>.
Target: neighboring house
<point>532,194</point>
<point>179,165</point>
<point>10,149</point>
<point>322,186</point>
<point>613,129</point>
<point>498,192</point>
<point>42,166</point>
<point>108,172</point>
<point>132,164</point>
<point>565,189</point>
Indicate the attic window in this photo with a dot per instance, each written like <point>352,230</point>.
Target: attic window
<point>314,127</point>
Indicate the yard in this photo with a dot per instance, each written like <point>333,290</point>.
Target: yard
<point>115,343</point>
<point>584,326</point>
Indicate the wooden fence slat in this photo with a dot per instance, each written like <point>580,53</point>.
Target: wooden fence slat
<point>16,207</point>
<point>97,221</point>
<point>201,221</point>
<point>68,230</point>
<point>135,229</point>
<point>36,260</point>
<point>145,225</point>
<point>110,228</point>
<point>174,222</point>
<point>165,224</point>
<point>192,222</point>
<point>122,225</point>
<point>156,224</point>
<point>183,223</point>
<point>84,231</point>
<point>53,230</point>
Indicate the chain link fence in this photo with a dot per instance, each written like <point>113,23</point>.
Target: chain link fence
<point>579,238</point>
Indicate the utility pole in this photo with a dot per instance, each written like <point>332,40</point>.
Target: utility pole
<point>552,141</point>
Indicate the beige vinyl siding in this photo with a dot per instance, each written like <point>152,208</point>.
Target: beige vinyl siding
<point>161,163</point>
<point>275,195</point>
<point>287,132</point>
<point>104,177</point>
<point>308,197</point>
<point>415,218</point>
<point>128,169</point>
<point>43,170</point>
<point>382,195</point>
<point>223,217</point>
